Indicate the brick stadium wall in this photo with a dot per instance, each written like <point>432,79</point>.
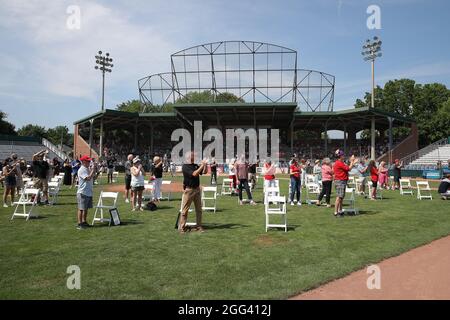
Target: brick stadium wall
<point>80,146</point>
<point>404,148</point>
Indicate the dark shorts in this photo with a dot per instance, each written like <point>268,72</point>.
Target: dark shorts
<point>140,188</point>
<point>397,179</point>
<point>10,182</point>
<point>340,186</point>
<point>374,184</point>
<point>128,182</point>
<point>84,202</point>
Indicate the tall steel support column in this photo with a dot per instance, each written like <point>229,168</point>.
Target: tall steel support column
<point>91,133</point>
<point>101,139</point>
<point>391,120</point>
<point>372,139</point>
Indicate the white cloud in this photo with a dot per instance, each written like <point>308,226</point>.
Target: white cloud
<point>63,61</point>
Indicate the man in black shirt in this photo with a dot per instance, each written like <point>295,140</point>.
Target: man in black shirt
<point>41,168</point>
<point>192,193</point>
<point>110,161</point>
<point>252,175</point>
<point>213,166</point>
<point>444,188</point>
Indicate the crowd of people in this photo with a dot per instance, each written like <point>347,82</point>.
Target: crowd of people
<point>84,171</point>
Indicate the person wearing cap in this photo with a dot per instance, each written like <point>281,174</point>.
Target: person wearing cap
<point>137,184</point>
<point>158,174</point>
<point>85,190</point>
<point>340,172</point>
<point>317,171</point>
<point>41,169</point>
<point>28,172</point>
<point>128,165</point>
<point>192,192</point>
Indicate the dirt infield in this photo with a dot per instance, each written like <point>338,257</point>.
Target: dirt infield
<point>175,186</point>
<point>422,273</point>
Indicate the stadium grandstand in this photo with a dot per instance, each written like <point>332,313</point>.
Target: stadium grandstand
<point>25,147</point>
<point>270,92</point>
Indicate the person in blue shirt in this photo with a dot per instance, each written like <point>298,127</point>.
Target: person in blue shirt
<point>76,164</point>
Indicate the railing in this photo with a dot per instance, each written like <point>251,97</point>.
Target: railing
<point>62,155</point>
<point>416,155</point>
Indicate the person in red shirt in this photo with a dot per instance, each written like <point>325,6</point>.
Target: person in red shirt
<point>269,174</point>
<point>372,168</point>
<point>295,171</point>
<point>340,171</point>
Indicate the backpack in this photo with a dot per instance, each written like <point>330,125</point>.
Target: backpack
<point>151,206</point>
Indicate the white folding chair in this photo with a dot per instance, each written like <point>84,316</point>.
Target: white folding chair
<point>209,198</point>
<point>350,199</point>
<point>351,183</point>
<point>104,203</point>
<point>379,190</point>
<point>61,174</point>
<point>227,186</point>
<point>115,176</point>
<point>312,192</point>
<point>28,197</point>
<point>310,178</point>
<point>423,190</point>
<point>148,191</point>
<point>271,192</point>
<point>276,205</point>
<point>405,187</point>
<point>53,191</point>
<point>169,192</point>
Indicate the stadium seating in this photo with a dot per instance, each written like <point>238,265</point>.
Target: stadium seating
<point>24,150</point>
<point>441,153</point>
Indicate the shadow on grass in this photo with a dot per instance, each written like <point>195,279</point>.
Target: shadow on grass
<point>224,226</point>
<point>122,224</point>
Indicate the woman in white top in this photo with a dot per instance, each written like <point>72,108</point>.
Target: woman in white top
<point>137,184</point>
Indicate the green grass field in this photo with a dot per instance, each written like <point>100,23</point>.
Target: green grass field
<point>234,259</point>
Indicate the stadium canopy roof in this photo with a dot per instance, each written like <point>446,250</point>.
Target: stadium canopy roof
<point>275,115</point>
<point>114,119</point>
<point>238,114</point>
<point>359,118</point>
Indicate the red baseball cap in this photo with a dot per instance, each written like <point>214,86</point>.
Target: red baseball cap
<point>85,158</point>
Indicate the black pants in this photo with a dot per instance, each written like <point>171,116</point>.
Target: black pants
<point>214,177</point>
<point>326,191</point>
<point>243,184</point>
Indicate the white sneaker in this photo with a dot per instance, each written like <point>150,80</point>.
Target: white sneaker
<point>134,209</point>
<point>127,201</point>
<point>5,205</point>
<point>299,204</point>
<point>292,203</point>
<point>140,208</point>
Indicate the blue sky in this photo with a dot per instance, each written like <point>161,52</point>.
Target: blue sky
<point>47,74</point>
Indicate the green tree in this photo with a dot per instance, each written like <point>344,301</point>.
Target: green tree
<point>5,126</point>
<point>426,104</point>
<point>31,130</point>
<point>130,106</point>
<point>207,97</point>
<point>55,135</point>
